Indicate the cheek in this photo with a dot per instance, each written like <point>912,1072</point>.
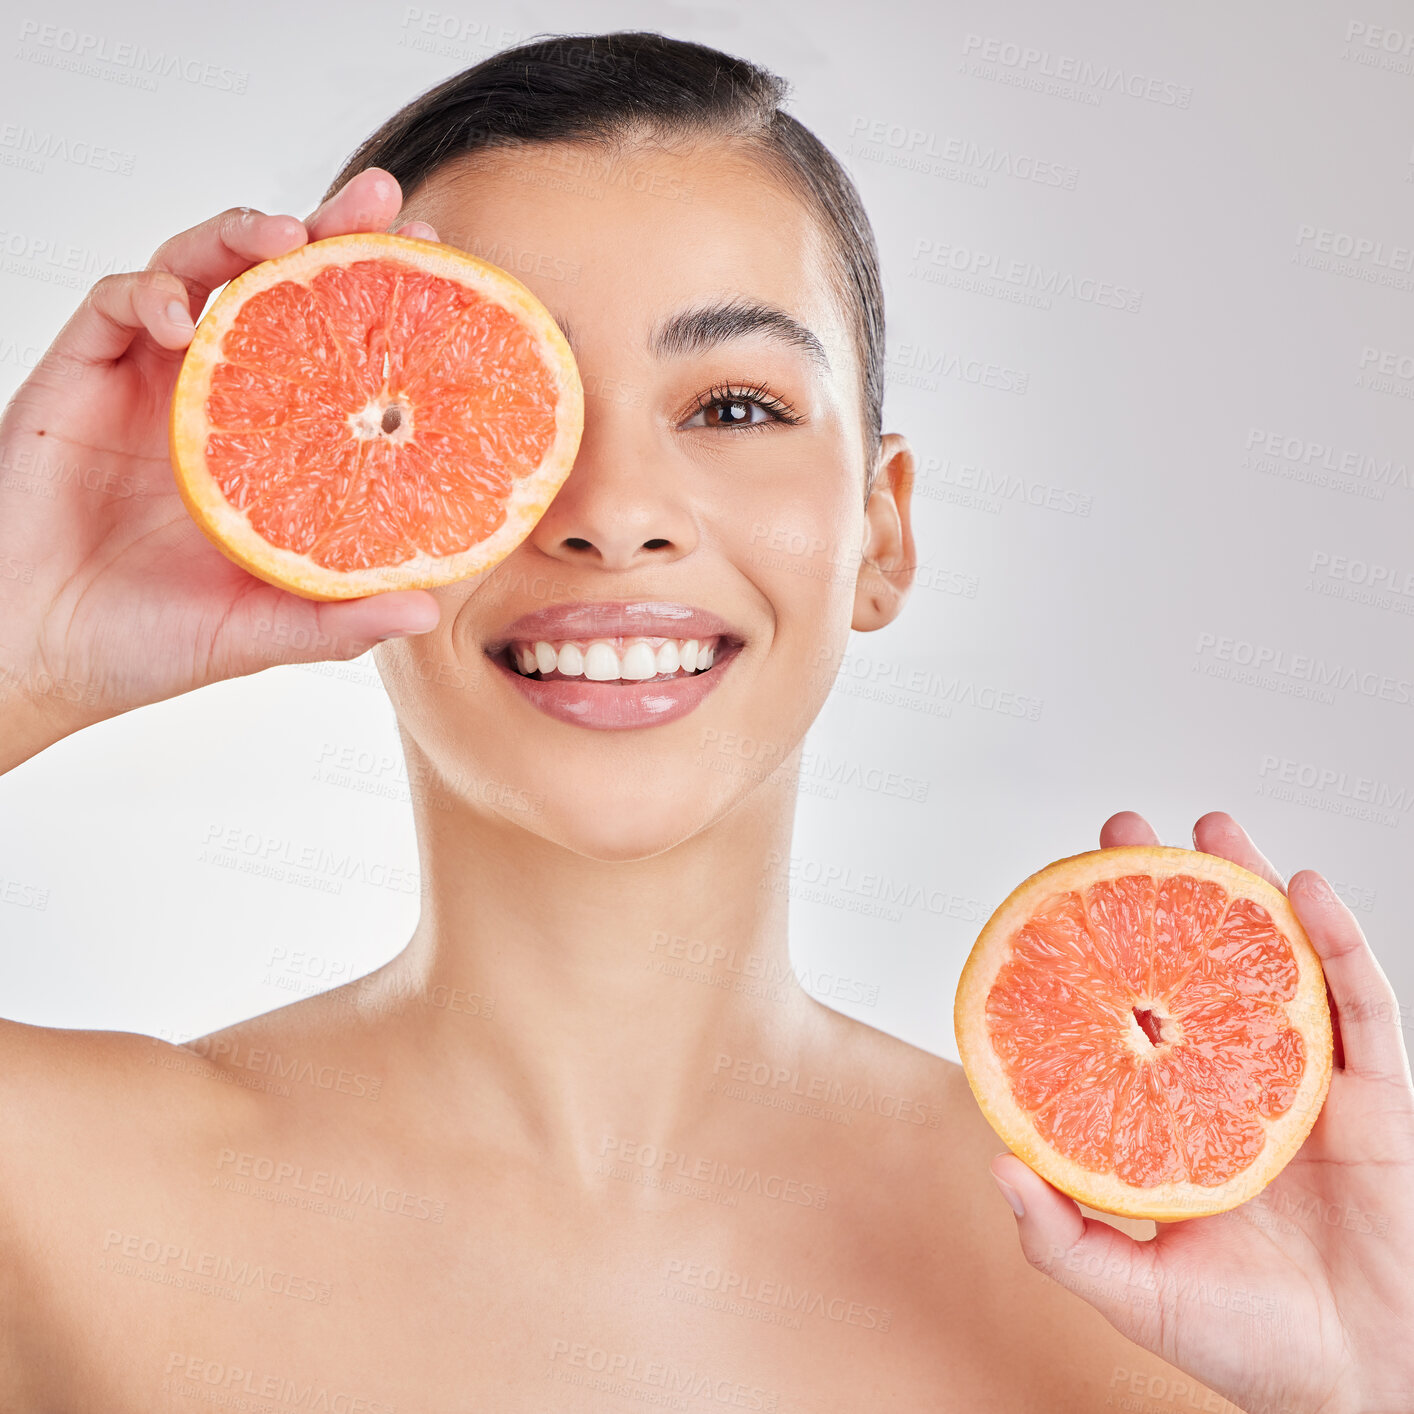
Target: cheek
<point>439,698</point>
<point>800,542</point>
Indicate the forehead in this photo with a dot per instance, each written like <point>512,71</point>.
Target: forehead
<point>614,241</point>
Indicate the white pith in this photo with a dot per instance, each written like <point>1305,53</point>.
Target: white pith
<point>625,659</point>
<point>1170,1028</point>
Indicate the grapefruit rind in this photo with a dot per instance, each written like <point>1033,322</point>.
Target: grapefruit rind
<point>1308,1011</point>
<point>230,530</point>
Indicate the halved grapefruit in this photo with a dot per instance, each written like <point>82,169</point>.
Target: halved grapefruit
<point>1147,1028</point>
<point>373,412</point>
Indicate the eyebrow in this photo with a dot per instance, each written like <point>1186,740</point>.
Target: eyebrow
<point>695,330</point>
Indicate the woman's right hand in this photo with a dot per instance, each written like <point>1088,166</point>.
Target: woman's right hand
<point>110,596</point>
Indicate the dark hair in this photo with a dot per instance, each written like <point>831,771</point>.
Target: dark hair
<point>603,90</point>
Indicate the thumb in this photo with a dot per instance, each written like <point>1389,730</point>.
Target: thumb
<point>1103,1266</point>
<point>379,616</point>
<point>281,627</point>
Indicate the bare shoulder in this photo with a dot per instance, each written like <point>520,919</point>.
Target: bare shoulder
<point>65,1093</point>
<point>925,1096</point>
<point>95,1122</point>
<point>313,1048</point>
<point>968,1296</point>
<point>96,1128</point>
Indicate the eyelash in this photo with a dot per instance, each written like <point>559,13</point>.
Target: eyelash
<point>722,395</point>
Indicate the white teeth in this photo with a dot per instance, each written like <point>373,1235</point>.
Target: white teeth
<point>601,663</point>
<point>639,662</point>
<point>615,660</point>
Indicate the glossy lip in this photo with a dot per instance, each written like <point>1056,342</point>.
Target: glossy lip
<point>581,619</point>
<point>616,706</point>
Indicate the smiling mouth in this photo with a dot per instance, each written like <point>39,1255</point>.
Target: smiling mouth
<point>630,659</point>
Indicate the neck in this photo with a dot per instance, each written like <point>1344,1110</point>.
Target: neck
<point>569,1002</point>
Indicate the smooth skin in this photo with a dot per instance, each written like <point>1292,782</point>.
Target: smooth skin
<point>585,1139</point>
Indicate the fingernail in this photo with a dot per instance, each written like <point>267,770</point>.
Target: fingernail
<point>403,632</point>
<point>177,313</point>
<point>1012,1197</point>
<point>1320,888</point>
<point>426,621</point>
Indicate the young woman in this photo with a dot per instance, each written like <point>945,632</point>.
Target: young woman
<point>528,1164</point>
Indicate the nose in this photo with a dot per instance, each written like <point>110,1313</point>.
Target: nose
<point>623,505</point>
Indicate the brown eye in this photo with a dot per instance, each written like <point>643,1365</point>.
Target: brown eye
<point>733,412</point>
<point>732,408</point>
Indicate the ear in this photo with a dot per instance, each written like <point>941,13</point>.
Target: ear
<point>886,571</point>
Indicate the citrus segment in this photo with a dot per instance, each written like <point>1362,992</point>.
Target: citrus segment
<point>373,412</point>
<point>1148,1028</point>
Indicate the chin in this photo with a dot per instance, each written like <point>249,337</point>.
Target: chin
<point>635,824</point>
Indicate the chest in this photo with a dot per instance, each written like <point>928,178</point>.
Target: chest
<point>308,1290</point>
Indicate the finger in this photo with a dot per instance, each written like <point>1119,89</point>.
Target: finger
<point>1367,1010</point>
<point>117,308</point>
<point>227,245</point>
<point>1218,833</point>
<point>1097,1262</point>
<point>419,229</point>
<point>368,201</point>
<point>380,616</point>
<point>1126,828</point>
<point>272,627</point>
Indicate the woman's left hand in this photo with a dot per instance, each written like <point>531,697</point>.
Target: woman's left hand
<point>1301,1300</point>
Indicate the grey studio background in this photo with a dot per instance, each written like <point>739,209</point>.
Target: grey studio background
<point>1150,285</point>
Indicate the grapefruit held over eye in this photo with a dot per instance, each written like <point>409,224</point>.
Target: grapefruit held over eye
<point>1148,1029</point>
<point>373,412</point>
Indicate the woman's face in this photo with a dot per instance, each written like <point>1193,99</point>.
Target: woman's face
<point>725,508</point>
